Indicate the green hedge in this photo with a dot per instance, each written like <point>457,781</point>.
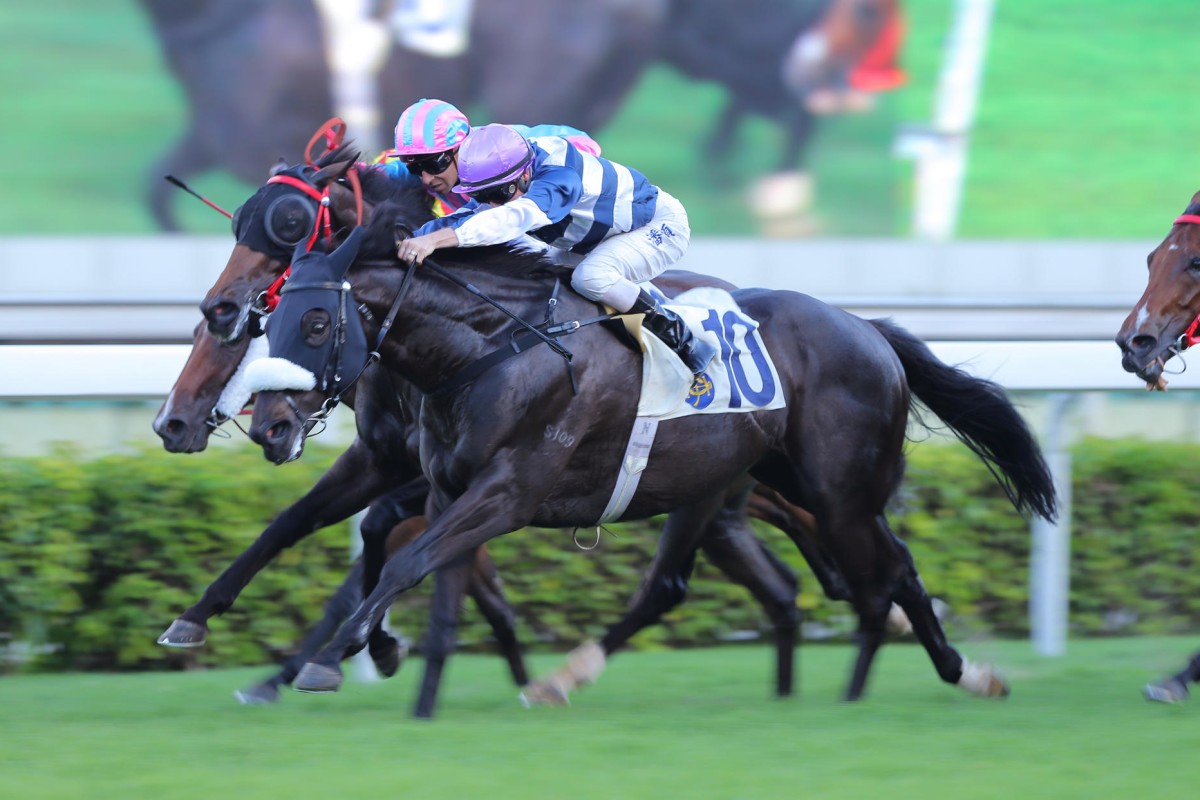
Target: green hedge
<point>97,557</point>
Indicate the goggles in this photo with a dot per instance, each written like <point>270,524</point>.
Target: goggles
<point>498,195</point>
<point>434,164</point>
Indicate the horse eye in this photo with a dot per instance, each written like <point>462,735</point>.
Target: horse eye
<point>1194,264</point>
<point>315,325</point>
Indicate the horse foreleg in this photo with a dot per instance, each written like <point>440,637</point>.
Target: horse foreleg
<point>450,584</point>
<point>343,602</point>
<point>393,521</point>
<point>781,200</point>
<point>719,142</point>
<point>342,491</point>
<point>488,509</point>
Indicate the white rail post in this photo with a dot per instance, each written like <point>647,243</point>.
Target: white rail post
<point>941,149</point>
<point>1050,559</point>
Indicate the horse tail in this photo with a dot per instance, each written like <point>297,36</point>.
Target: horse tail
<point>982,417</point>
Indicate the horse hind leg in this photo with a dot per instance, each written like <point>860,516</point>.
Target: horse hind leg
<point>186,158</point>
<point>1174,688</point>
<point>487,591</point>
<point>663,588</point>
<point>976,678</point>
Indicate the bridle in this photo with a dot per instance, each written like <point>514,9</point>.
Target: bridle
<point>521,339</point>
<point>332,133</point>
<point>1188,338</point>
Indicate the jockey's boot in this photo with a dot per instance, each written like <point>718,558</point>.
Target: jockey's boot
<point>671,329</point>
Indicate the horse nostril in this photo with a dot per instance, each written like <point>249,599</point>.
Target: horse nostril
<point>1142,344</point>
<point>175,427</point>
<point>221,314</point>
<point>277,432</point>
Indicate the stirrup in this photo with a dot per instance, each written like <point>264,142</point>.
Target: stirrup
<point>696,354</point>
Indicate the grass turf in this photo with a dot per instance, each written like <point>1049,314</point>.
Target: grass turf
<point>695,724</point>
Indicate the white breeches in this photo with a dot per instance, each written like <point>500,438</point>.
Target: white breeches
<point>612,271</point>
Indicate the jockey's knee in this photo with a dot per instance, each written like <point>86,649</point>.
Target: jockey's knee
<point>601,282</point>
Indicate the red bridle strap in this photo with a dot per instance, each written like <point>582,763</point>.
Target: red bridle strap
<point>1189,337</point>
<point>323,224</point>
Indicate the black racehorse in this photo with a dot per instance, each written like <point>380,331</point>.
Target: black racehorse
<point>1163,324</point>
<point>381,457</point>
<point>193,410</point>
<point>599,49</point>
<point>836,449</point>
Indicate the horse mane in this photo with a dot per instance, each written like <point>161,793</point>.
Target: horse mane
<point>411,209</point>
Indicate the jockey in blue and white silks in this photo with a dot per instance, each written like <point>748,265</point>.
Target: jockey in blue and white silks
<point>606,220</point>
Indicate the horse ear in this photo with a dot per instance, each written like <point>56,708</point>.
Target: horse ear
<point>341,258</point>
<point>344,204</point>
<point>278,167</point>
<point>332,172</point>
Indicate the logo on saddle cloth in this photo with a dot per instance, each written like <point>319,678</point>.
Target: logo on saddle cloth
<point>741,378</point>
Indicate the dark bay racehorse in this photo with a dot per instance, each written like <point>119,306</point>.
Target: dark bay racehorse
<point>836,449</point>
<point>1162,325</point>
<point>189,415</point>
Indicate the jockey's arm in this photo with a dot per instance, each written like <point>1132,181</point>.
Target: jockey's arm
<point>551,196</point>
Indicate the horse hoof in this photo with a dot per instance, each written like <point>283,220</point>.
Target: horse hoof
<point>983,680</point>
<point>898,621</point>
<point>182,633</point>
<point>543,693</point>
<point>388,661</point>
<point>317,679</point>
<point>262,694</point>
<point>1167,690</point>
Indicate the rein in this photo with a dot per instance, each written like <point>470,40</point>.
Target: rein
<point>526,334</point>
<point>519,340</point>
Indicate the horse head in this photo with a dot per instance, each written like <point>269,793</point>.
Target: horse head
<point>296,204</point>
<point>207,391</point>
<point>323,347</point>
<point>817,68</point>
<point>1163,322</point>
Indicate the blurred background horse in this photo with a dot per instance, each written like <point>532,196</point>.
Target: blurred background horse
<point>530,61</point>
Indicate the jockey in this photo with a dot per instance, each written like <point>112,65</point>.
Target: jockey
<point>614,227</point>
<point>428,134</point>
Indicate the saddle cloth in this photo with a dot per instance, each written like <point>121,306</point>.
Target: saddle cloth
<point>740,378</point>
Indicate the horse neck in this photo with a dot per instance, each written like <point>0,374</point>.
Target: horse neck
<point>441,328</point>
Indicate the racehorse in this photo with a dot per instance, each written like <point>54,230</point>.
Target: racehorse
<point>1163,324</point>
<point>502,77</point>
<point>194,408</point>
<point>836,449</point>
